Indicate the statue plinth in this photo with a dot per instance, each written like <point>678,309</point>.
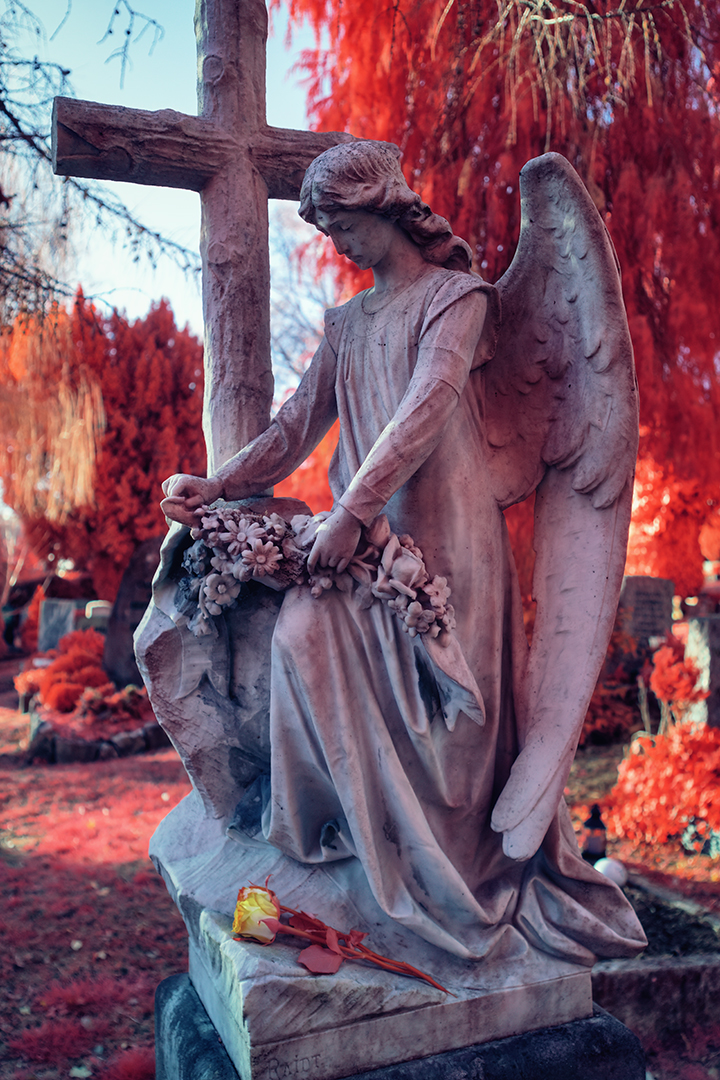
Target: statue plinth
<point>276,1020</point>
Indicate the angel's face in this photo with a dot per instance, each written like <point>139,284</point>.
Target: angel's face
<point>362,237</point>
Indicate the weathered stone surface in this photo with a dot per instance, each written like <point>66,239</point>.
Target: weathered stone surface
<point>703,648</point>
<point>596,1048</point>
<point>187,1046</point>
<point>129,742</point>
<point>42,740</point>
<point>276,1020</point>
<point>68,750</point>
<point>646,994</point>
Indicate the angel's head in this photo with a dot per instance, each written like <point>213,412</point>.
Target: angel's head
<point>366,175</point>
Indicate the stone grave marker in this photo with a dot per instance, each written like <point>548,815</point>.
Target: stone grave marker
<point>57,618</point>
<point>644,613</point>
<point>130,604</point>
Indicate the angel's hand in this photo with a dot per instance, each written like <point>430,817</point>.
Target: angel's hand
<point>336,541</point>
<point>184,494</point>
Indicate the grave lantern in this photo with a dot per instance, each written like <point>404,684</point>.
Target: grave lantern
<point>594,842</point>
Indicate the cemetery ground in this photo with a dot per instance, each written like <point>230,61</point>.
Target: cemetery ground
<point>89,929</point>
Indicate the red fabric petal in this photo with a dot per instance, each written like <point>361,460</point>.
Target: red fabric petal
<point>320,961</point>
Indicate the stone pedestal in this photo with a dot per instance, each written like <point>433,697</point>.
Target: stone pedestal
<point>276,1020</point>
<point>596,1048</point>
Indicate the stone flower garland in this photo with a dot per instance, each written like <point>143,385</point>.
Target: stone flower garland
<point>232,546</point>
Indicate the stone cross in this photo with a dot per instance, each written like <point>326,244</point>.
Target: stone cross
<point>237,162</point>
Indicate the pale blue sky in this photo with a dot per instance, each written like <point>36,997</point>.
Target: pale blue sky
<point>164,79</point>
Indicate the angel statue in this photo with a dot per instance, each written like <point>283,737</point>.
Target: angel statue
<point>413,736</point>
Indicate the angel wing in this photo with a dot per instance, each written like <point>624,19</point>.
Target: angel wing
<point>561,409</point>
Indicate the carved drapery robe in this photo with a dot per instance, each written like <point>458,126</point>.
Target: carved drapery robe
<point>371,755</point>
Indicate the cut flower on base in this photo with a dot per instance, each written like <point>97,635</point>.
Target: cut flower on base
<point>257,918</point>
<point>256,913</point>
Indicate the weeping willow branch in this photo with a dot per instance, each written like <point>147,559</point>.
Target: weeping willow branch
<point>572,51</point>
<point>52,423</point>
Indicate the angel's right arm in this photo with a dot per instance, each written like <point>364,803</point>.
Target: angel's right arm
<point>291,437</point>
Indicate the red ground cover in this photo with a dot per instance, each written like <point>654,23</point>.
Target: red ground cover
<point>89,930</point>
<point>87,925</point>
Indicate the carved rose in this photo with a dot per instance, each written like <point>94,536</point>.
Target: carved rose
<point>400,571</point>
<point>255,907</point>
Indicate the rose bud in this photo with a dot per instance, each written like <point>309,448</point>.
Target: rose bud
<point>254,905</point>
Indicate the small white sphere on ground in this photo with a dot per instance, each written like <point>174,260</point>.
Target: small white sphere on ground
<point>613,869</point>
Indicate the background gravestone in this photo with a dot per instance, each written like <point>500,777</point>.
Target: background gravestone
<point>130,604</point>
<point>57,618</point>
<point>644,612</point>
<point>703,648</point>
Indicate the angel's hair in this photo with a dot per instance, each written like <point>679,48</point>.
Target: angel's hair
<point>366,175</point>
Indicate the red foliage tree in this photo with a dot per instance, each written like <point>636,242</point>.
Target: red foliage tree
<point>96,412</point>
<point>309,482</point>
<point>471,89</point>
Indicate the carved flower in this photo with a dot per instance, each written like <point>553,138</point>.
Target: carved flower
<point>221,563</point>
<point>242,571</point>
<point>400,571</point>
<point>418,619</point>
<point>438,592</point>
<point>240,534</point>
<point>255,908</point>
<point>195,559</point>
<point>263,558</point>
<point>399,605</point>
<point>220,590</point>
<point>408,542</point>
<point>199,625</point>
<point>320,584</point>
<point>275,526</point>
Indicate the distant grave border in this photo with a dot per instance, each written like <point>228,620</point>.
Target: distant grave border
<point>51,746</point>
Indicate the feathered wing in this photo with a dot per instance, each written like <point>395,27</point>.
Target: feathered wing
<point>561,412</point>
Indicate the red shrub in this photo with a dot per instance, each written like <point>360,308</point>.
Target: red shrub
<point>667,783</point>
<point>87,641</point>
<point>135,1064</point>
<point>674,678</point>
<point>53,1041</point>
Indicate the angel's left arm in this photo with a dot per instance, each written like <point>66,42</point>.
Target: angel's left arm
<point>446,354</point>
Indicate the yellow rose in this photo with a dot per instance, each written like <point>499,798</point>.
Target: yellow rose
<point>254,905</point>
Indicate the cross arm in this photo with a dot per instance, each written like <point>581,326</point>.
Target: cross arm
<point>111,142</point>
<point>172,149</point>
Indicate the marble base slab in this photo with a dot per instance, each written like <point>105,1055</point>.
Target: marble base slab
<point>255,995</point>
<point>187,1047</point>
<point>277,1021</point>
